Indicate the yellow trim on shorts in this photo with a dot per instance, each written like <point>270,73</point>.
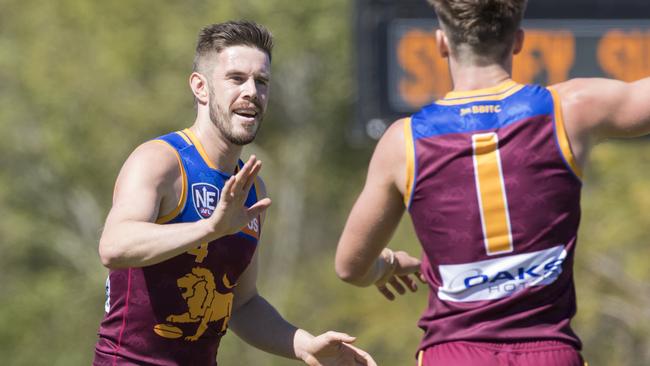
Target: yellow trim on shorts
<point>199,148</point>
<point>410,161</point>
<point>420,358</point>
<point>562,138</point>
<point>181,202</point>
<point>496,93</point>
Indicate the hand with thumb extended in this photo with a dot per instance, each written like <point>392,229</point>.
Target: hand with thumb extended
<point>400,273</point>
<point>231,213</point>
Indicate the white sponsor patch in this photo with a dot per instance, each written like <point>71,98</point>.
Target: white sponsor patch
<point>107,304</point>
<point>500,277</point>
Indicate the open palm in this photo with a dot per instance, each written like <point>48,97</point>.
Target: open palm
<point>231,213</point>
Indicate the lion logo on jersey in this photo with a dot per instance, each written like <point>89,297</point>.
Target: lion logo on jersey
<point>204,302</point>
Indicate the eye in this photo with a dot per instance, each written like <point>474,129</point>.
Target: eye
<point>263,82</point>
<point>237,78</point>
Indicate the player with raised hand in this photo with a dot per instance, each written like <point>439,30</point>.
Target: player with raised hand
<point>181,237</point>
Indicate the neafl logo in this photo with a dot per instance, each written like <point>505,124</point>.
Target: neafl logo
<point>205,197</point>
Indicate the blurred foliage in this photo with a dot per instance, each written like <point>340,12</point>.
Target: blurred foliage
<point>82,83</point>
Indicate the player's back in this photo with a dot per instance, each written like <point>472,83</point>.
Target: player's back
<point>494,194</point>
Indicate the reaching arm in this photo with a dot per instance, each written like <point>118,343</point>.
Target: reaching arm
<point>256,321</point>
<point>374,218</point>
<point>149,183</point>
<point>597,109</point>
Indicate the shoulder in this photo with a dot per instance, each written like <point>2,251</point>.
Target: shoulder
<point>588,101</point>
<point>587,95</point>
<point>155,156</point>
<point>394,138</point>
<point>153,162</point>
<point>388,162</point>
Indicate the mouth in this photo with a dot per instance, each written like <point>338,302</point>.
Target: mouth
<point>246,113</point>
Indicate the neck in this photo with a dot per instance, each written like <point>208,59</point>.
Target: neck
<point>470,77</point>
<point>222,153</point>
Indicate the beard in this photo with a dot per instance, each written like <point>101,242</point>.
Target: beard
<point>223,121</point>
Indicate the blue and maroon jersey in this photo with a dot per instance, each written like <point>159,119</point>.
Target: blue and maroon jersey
<point>494,195</point>
<point>175,312</point>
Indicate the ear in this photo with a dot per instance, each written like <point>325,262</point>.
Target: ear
<point>199,86</point>
<point>519,42</point>
<point>442,43</point>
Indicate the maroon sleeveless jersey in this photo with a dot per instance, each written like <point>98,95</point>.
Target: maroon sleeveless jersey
<point>175,312</point>
<point>494,195</point>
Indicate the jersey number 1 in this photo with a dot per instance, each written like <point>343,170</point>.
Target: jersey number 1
<point>491,192</point>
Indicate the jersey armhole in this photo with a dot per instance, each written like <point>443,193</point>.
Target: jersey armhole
<point>410,163</point>
<point>561,136</point>
<point>181,202</point>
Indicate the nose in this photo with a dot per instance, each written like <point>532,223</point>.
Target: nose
<point>249,89</point>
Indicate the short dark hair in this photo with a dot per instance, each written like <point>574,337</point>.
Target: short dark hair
<point>488,27</point>
<point>216,37</point>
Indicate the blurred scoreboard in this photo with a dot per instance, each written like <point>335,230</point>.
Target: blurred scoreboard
<point>399,69</point>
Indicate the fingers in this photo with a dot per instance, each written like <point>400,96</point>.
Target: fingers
<point>361,357</point>
<point>421,277</point>
<point>239,184</point>
<point>227,191</point>
<point>259,207</point>
<point>406,263</point>
<point>386,292</point>
<point>252,174</point>
<point>396,285</point>
<point>248,172</point>
<point>409,282</point>
<point>337,337</point>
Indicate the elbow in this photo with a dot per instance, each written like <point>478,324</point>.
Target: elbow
<point>109,257</point>
<point>348,274</point>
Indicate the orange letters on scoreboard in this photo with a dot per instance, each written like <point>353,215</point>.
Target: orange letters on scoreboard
<point>547,58</point>
<point>552,52</point>
<point>427,73</point>
<point>625,55</point>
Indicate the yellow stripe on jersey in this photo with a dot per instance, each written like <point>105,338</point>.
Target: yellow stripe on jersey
<point>420,358</point>
<point>181,134</point>
<point>181,202</point>
<point>562,138</point>
<point>410,162</point>
<point>199,148</point>
<point>491,194</point>
<point>496,93</point>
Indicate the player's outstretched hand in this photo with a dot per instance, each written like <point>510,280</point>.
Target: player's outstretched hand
<point>334,349</point>
<point>402,270</point>
<point>231,214</point>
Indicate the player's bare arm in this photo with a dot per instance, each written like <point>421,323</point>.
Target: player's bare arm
<point>360,258</point>
<point>596,109</point>
<point>149,187</point>
<point>259,324</point>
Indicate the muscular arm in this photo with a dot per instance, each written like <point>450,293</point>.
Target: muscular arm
<point>597,109</point>
<point>256,321</point>
<point>252,313</point>
<point>259,324</point>
<point>148,181</point>
<point>377,211</point>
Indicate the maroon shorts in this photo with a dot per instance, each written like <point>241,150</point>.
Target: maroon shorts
<point>542,353</point>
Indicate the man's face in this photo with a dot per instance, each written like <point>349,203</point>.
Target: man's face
<point>239,89</point>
